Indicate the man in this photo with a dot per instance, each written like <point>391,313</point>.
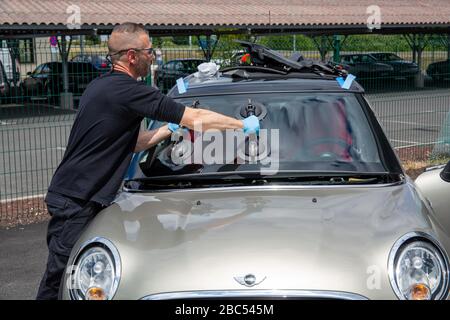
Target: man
<point>104,135</point>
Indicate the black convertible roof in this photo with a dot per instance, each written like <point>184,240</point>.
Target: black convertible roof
<point>269,71</point>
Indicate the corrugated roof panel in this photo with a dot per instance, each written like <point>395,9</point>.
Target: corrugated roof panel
<point>233,12</point>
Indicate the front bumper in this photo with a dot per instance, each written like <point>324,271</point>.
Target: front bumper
<point>257,295</point>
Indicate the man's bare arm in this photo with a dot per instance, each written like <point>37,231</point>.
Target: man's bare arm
<point>193,119</point>
<point>149,138</point>
<point>209,120</point>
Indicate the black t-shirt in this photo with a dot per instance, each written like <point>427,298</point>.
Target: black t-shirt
<point>105,133</point>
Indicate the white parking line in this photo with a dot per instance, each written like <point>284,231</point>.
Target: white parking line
<point>404,141</point>
<point>4,123</point>
<point>56,148</point>
<point>22,198</point>
<point>413,123</point>
<point>419,144</point>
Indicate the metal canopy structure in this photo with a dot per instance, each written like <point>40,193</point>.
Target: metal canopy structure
<point>25,18</point>
<point>316,18</point>
<point>27,31</point>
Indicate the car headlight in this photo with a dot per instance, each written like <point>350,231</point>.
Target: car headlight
<point>419,268</point>
<point>97,271</point>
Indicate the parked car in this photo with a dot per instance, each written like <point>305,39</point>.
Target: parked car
<point>364,66</point>
<point>333,217</point>
<point>402,68</point>
<point>99,62</point>
<point>46,81</point>
<point>379,65</point>
<point>439,70</point>
<point>167,76</point>
<point>434,184</point>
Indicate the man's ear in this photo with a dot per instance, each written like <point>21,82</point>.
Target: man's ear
<point>131,55</point>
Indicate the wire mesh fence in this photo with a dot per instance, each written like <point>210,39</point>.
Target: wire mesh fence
<point>406,80</point>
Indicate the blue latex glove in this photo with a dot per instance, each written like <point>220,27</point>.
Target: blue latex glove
<point>173,127</point>
<point>251,125</point>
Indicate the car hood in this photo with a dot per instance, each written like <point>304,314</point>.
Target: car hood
<point>315,238</point>
<point>439,64</point>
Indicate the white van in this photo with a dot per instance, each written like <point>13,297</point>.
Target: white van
<point>6,60</point>
<point>4,85</point>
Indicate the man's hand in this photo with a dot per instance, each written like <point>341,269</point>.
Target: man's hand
<point>206,120</point>
<point>251,125</point>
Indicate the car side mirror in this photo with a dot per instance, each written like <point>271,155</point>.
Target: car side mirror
<point>445,174</point>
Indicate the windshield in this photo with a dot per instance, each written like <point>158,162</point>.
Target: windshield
<point>192,64</point>
<point>300,132</point>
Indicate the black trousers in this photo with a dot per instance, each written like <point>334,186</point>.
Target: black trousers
<point>69,217</point>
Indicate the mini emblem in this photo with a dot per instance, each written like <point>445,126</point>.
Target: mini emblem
<point>249,280</point>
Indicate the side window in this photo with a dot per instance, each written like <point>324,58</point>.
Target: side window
<point>188,65</point>
<point>46,69</point>
<point>380,57</point>
<point>169,66</point>
<point>179,66</point>
<point>38,70</point>
<point>356,59</point>
<point>365,59</point>
<point>42,69</point>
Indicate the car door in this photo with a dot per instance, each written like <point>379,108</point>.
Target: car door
<point>366,63</point>
<point>80,75</point>
<point>358,66</point>
<point>35,83</point>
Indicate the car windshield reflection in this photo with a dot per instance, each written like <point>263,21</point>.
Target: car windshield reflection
<point>301,132</point>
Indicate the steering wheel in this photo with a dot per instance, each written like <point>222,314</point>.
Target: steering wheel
<point>329,153</point>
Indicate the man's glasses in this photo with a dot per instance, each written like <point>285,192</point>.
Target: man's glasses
<point>149,51</point>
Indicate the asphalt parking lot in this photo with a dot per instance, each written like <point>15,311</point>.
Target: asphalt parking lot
<point>32,143</point>
<point>23,254</point>
<point>413,118</point>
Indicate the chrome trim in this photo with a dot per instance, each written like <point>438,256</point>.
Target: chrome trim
<point>394,251</point>
<point>209,294</point>
<point>441,166</point>
<point>115,255</point>
<point>249,280</point>
<point>271,187</point>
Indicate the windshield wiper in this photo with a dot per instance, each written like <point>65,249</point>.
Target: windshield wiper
<point>228,175</point>
<point>256,178</point>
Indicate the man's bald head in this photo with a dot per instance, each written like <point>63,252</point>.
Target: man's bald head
<point>124,36</point>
